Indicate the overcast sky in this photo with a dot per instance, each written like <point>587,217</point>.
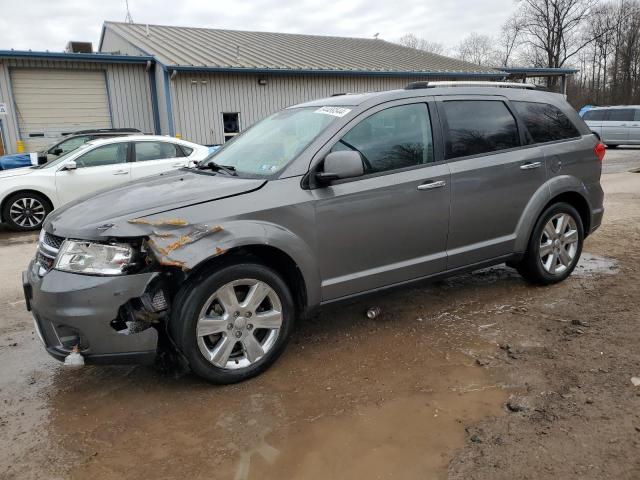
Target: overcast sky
<point>49,24</point>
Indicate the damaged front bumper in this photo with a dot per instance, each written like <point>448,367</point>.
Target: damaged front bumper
<point>72,310</point>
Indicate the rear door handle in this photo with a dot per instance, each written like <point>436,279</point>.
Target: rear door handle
<point>121,172</point>
<point>428,185</point>
<point>530,165</point>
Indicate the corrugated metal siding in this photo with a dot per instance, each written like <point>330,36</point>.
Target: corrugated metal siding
<point>200,99</point>
<point>129,93</point>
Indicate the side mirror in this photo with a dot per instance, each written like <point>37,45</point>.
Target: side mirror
<point>70,165</point>
<point>339,165</point>
<point>57,152</point>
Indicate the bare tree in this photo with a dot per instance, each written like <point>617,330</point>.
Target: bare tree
<point>509,39</point>
<point>478,49</point>
<point>556,27</point>
<point>413,41</point>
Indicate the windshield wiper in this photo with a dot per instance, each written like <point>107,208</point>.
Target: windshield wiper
<point>211,165</point>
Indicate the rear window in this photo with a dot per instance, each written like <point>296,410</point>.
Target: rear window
<point>594,115</point>
<point>621,115</point>
<point>479,126</point>
<point>545,122</point>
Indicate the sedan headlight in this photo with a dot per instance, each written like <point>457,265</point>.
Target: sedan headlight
<point>93,258</point>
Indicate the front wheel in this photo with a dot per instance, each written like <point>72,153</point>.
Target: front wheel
<point>26,211</point>
<point>233,323</point>
<point>555,246</point>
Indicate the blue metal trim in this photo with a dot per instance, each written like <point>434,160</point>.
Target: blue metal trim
<point>154,100</point>
<point>89,57</point>
<point>543,70</point>
<point>167,97</point>
<point>2,138</point>
<point>106,84</point>
<point>284,71</point>
<point>16,125</point>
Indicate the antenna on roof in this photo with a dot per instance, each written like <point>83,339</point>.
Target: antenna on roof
<point>128,18</point>
<point>376,35</point>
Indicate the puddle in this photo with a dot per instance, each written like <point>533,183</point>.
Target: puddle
<point>590,265</point>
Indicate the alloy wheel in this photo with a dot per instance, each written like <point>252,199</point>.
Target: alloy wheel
<point>239,324</point>
<point>27,212</point>
<point>559,244</point>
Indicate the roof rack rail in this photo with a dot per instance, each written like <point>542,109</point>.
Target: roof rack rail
<point>462,83</point>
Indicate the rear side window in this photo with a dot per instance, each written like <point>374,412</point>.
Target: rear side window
<point>186,151</point>
<point>155,151</point>
<point>595,115</point>
<point>637,118</point>
<point>394,138</point>
<point>479,126</point>
<point>621,115</point>
<point>545,122</point>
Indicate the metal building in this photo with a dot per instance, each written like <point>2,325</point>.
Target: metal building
<point>211,84</point>
<point>43,95</point>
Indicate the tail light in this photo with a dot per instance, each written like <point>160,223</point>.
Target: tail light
<point>599,151</point>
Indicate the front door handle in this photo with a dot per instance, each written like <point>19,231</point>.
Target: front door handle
<point>121,172</point>
<point>431,184</point>
<point>530,165</point>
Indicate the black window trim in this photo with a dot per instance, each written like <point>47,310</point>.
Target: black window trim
<point>445,125</point>
<point>550,142</point>
<point>438,147</point>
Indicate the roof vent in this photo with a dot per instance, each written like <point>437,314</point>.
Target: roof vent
<point>79,47</point>
<point>417,85</point>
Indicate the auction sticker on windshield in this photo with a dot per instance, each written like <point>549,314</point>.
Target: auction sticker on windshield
<point>335,111</point>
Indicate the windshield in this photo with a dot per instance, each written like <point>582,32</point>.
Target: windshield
<point>271,144</point>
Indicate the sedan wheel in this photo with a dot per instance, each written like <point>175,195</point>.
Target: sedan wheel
<point>239,324</point>
<point>27,212</point>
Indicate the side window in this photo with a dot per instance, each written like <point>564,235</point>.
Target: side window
<point>184,151</point>
<point>621,115</point>
<point>637,116</point>
<point>595,115</point>
<point>479,126</point>
<point>71,144</point>
<point>104,155</point>
<point>394,138</point>
<point>146,151</point>
<point>545,122</point>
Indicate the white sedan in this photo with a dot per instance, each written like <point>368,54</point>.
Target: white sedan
<point>27,195</point>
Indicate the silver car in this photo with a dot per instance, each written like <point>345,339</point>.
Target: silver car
<point>615,125</point>
<point>319,203</point>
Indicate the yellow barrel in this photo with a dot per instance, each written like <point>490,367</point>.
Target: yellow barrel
<point>178,135</point>
<point>20,146</point>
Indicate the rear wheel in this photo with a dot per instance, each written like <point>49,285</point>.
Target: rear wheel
<point>555,246</point>
<point>25,211</point>
<point>234,323</point>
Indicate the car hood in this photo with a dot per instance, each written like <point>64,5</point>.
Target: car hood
<point>12,170</point>
<point>107,213</point>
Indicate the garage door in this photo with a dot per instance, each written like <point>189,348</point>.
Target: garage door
<point>52,102</point>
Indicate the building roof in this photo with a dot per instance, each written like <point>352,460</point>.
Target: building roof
<point>204,48</point>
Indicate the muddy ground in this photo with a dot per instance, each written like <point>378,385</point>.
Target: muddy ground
<point>478,377</point>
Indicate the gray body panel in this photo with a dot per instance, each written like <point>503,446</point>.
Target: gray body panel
<point>355,235</point>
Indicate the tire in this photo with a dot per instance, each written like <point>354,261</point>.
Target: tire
<point>35,206</point>
<point>544,270</point>
<point>229,354</point>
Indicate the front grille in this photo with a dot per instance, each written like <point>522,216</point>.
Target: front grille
<point>52,240</point>
<point>48,248</point>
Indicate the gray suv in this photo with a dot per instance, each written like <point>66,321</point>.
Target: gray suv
<point>319,203</point>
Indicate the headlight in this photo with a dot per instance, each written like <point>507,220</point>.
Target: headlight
<point>93,258</point>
